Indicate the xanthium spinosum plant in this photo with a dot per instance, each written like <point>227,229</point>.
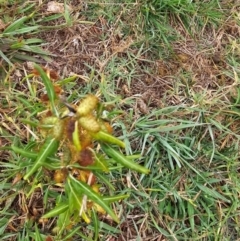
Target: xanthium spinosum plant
<point>86,144</point>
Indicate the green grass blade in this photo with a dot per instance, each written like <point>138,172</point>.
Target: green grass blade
<point>105,137</point>
<point>6,58</point>
<point>15,25</point>
<point>69,235</point>
<point>37,235</point>
<point>92,195</point>
<point>60,208</point>
<point>63,221</point>
<point>34,49</point>
<point>95,225</point>
<point>75,200</point>
<point>100,162</point>
<point>21,31</point>
<point>190,210</point>
<point>118,157</point>
<point>212,193</point>
<point>76,137</point>
<point>33,41</point>
<point>49,88</point>
<point>115,198</point>
<point>23,152</point>
<point>105,180</point>
<point>48,148</point>
<point>24,57</point>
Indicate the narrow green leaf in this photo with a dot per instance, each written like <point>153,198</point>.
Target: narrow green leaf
<point>190,209</point>
<point>171,151</point>
<point>33,41</point>
<point>67,14</point>
<point>48,148</point>
<point>50,18</point>
<point>63,221</point>
<point>76,137</point>
<point>132,157</point>
<point>111,199</point>
<point>17,45</point>
<point>237,99</point>
<point>37,235</point>
<point>110,228</point>
<point>27,8</point>
<point>6,58</point>
<point>23,152</point>
<point>35,49</point>
<point>67,80</point>
<point>105,180</point>
<point>60,208</point>
<point>100,162</point>
<point>22,30</point>
<point>212,193</point>
<point>92,195</point>
<point>105,137</point>
<point>46,197</point>
<point>174,128</point>
<point>15,25</point>
<point>160,229</point>
<point>52,163</point>
<point>120,158</point>
<point>49,88</point>
<point>70,234</point>
<point>31,123</point>
<point>75,200</point>
<point>22,56</point>
<point>95,225</point>
<point>211,133</point>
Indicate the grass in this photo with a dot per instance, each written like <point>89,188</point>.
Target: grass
<point>169,72</point>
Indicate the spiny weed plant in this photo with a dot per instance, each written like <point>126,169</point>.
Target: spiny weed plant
<point>64,164</point>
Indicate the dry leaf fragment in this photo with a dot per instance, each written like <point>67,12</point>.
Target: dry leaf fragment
<point>30,65</point>
<point>182,57</point>
<point>122,46</point>
<point>142,106</point>
<point>55,7</point>
<point>18,73</point>
<point>125,89</point>
<point>17,178</point>
<point>53,75</point>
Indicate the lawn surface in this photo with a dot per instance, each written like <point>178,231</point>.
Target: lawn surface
<point>169,70</point>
